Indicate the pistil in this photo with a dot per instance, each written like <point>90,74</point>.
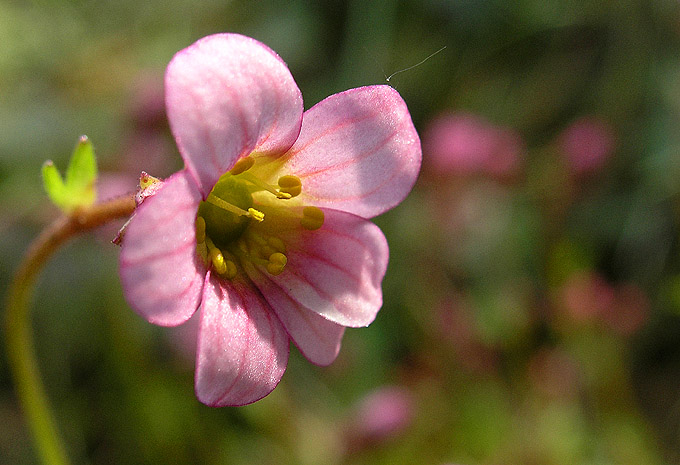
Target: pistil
<point>223,204</point>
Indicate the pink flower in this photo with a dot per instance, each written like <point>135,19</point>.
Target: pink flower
<point>265,230</point>
<point>382,415</point>
<point>465,144</point>
<point>588,297</point>
<point>554,373</point>
<point>587,144</point>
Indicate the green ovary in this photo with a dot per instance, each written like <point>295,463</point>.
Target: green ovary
<point>223,227</point>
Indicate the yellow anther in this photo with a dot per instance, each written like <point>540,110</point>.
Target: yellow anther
<point>278,258</point>
<point>200,230</point>
<point>266,251</point>
<point>244,164</point>
<point>312,218</point>
<point>277,262</point>
<point>277,244</point>
<point>257,215</point>
<point>217,260</point>
<point>290,185</point>
<point>231,269</point>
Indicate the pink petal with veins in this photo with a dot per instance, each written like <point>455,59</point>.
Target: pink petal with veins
<point>316,337</point>
<point>242,347</point>
<point>159,270</point>
<point>357,152</point>
<point>227,95</point>
<point>335,271</point>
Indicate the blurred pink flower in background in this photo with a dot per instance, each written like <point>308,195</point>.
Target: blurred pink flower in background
<point>630,310</point>
<point>587,144</point>
<point>114,184</point>
<point>382,415</point>
<point>588,297</point>
<point>555,373</point>
<point>147,144</point>
<point>464,144</point>
<point>146,109</point>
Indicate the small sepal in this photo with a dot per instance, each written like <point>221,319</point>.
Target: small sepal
<point>79,188</point>
<point>148,186</point>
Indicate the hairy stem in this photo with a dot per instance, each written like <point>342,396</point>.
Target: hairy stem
<point>20,349</point>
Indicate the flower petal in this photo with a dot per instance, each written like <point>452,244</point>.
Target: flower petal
<point>335,271</point>
<point>316,337</point>
<point>227,95</point>
<point>357,151</point>
<point>242,347</point>
<point>160,272</point>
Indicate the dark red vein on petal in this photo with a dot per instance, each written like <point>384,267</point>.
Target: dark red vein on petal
<point>345,122</point>
<point>355,159</point>
<point>247,331</point>
<point>298,309</point>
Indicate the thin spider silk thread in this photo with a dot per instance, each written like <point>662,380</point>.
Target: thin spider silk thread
<point>387,78</point>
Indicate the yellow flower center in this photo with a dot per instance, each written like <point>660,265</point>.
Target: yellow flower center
<point>242,215</point>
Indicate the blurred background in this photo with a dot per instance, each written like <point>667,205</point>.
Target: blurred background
<point>532,302</point>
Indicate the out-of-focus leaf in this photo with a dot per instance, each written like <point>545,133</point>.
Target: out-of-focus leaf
<point>81,175</point>
<point>54,185</point>
<point>82,172</point>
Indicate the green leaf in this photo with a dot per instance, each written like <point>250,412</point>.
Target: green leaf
<point>81,176</point>
<point>53,184</point>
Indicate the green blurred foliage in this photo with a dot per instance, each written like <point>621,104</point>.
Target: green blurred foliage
<point>78,188</point>
<point>532,319</point>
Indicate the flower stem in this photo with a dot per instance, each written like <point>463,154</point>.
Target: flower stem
<point>21,353</point>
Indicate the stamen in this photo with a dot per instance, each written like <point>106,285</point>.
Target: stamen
<point>277,244</point>
<point>244,164</point>
<point>200,230</point>
<point>242,247</point>
<point>312,218</point>
<point>290,185</point>
<point>215,257</point>
<point>257,215</point>
<point>266,251</point>
<point>201,246</point>
<point>257,238</point>
<point>251,213</point>
<point>202,250</point>
<point>257,250</point>
<point>217,260</point>
<point>277,262</point>
<point>264,186</point>
<point>253,245</point>
<point>226,238</point>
